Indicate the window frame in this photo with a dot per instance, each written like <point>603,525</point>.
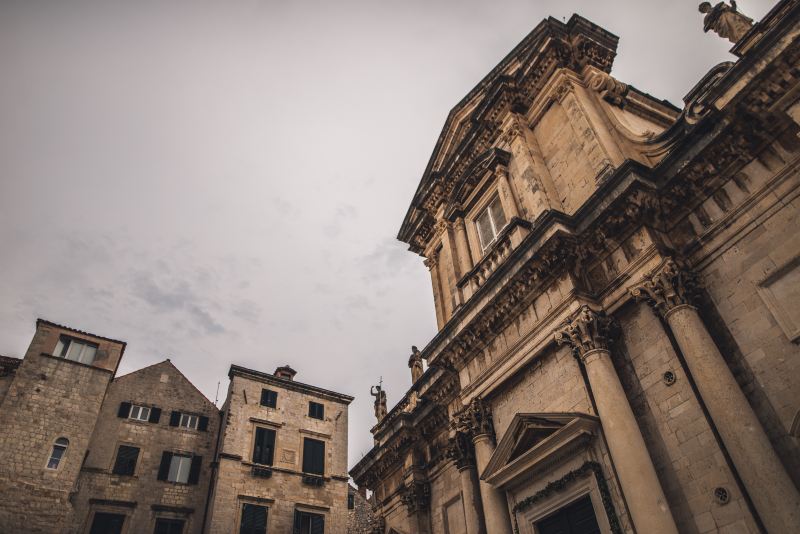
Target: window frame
<point>62,444</point>
<point>184,523</point>
<point>306,440</point>
<point>66,342</point>
<point>240,518</point>
<point>254,441</point>
<point>183,456</point>
<point>486,210</point>
<point>189,417</point>
<point>269,395</point>
<point>135,462</point>
<point>298,513</point>
<point>311,412</point>
<point>140,409</point>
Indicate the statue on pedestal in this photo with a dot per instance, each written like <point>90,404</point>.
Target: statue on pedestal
<point>415,364</point>
<point>380,401</point>
<point>725,21</point>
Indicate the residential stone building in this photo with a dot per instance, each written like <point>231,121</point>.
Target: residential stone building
<point>85,452</point>
<point>282,458</point>
<point>616,288</point>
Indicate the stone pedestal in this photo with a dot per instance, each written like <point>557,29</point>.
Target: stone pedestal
<point>668,290</point>
<point>587,333</point>
<point>495,506</point>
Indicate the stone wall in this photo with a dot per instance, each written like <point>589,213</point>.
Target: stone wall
<point>284,491</point>
<point>142,497</point>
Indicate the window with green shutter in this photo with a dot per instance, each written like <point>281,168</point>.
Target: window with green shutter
<point>313,456</point>
<point>125,463</point>
<point>254,519</point>
<point>264,446</point>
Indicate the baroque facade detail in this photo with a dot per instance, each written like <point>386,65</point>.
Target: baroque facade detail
<point>585,331</point>
<point>669,286</point>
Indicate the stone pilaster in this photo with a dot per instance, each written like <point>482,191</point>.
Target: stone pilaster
<point>462,247</point>
<point>670,290</point>
<point>495,506</point>
<point>588,332</point>
<point>462,453</point>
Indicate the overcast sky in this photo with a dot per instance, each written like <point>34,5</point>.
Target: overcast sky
<point>222,182</point>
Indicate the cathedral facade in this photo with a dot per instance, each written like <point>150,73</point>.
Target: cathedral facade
<point>616,283</point>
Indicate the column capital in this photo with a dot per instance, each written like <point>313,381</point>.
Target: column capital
<point>460,450</point>
<point>670,285</point>
<point>478,418</point>
<point>586,331</point>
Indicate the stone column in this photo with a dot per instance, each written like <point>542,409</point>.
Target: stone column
<point>506,195</point>
<point>462,247</point>
<point>495,506</point>
<point>432,264</point>
<point>669,290</point>
<point>587,332</point>
<point>460,451</point>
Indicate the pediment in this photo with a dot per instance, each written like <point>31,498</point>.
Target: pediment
<point>535,439</point>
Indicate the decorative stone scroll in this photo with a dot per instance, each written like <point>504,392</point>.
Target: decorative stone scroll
<point>667,287</point>
<point>585,331</point>
<point>460,450</point>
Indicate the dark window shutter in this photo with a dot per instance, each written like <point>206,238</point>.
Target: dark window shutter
<point>269,398</point>
<point>254,519</point>
<point>298,522</point>
<point>106,523</point>
<point>351,501</point>
<point>313,456</point>
<point>264,446</point>
<point>174,418</point>
<point>194,470</point>
<point>169,526</point>
<point>317,524</point>
<point>163,469</point>
<point>124,409</point>
<point>202,424</point>
<point>125,463</point>
<point>316,410</point>
<point>155,415</point>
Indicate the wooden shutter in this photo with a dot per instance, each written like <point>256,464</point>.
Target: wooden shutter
<point>175,419</point>
<point>169,526</point>
<point>313,456</point>
<point>163,469</point>
<point>298,522</point>
<point>202,423</point>
<point>125,463</point>
<point>264,446</point>
<point>155,415</point>
<point>317,524</point>
<point>106,523</point>
<point>254,519</point>
<point>194,470</point>
<point>124,409</point>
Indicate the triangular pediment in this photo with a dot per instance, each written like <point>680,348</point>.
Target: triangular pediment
<point>533,438</point>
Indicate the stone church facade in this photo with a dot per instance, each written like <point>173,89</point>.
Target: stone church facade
<point>616,285</point>
<point>85,452</point>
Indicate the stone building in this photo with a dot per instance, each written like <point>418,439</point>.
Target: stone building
<point>616,287</point>
<point>282,459</point>
<point>84,452</point>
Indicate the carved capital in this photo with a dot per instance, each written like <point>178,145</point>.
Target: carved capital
<point>479,415</point>
<point>416,496</point>
<point>441,226</point>
<point>460,450</point>
<point>667,287</point>
<point>585,331</point>
<point>431,262</point>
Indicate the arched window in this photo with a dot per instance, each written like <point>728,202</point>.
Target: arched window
<point>59,448</point>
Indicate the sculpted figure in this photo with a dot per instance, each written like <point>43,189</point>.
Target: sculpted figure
<point>725,21</point>
<point>415,364</point>
<point>380,402</point>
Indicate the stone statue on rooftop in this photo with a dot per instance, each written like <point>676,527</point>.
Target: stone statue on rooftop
<point>380,401</point>
<point>725,20</point>
<point>415,364</point>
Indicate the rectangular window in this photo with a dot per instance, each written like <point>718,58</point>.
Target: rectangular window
<point>313,456</point>
<point>105,523</point>
<point>126,460</point>
<point>189,421</point>
<point>269,398</point>
<point>316,410</point>
<point>254,519</point>
<point>139,413</point>
<point>181,468</point>
<point>307,523</point>
<point>168,526</point>
<point>59,448</point>
<point>490,222</point>
<point>75,349</point>
<point>264,446</point>
<point>351,501</point>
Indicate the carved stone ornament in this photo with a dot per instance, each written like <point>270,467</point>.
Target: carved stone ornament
<point>725,20</point>
<point>416,496</point>
<point>415,364</point>
<point>669,286</point>
<point>610,90</point>
<point>441,226</point>
<point>380,402</point>
<point>480,418</point>
<point>585,331</point>
<point>460,450</point>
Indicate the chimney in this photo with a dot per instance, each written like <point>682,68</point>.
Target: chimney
<point>285,372</point>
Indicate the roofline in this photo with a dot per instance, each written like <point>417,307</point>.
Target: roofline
<point>162,362</point>
<point>237,370</point>
<point>124,344</point>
